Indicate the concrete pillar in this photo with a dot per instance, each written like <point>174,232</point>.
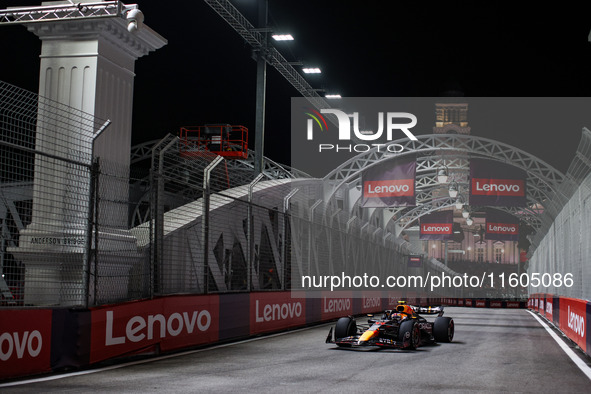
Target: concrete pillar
<point>87,65</point>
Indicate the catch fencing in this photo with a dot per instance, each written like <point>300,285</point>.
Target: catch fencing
<point>82,231</point>
<point>565,248</point>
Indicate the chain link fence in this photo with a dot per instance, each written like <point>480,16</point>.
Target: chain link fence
<point>45,186</point>
<point>560,259</point>
<point>79,231</point>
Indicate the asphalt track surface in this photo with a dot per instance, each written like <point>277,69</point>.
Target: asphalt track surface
<point>494,350</point>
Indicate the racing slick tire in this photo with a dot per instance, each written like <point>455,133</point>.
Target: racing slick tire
<point>345,327</point>
<point>443,329</point>
<point>409,330</point>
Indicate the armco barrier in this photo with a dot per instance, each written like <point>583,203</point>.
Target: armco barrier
<point>37,341</point>
<point>570,315</point>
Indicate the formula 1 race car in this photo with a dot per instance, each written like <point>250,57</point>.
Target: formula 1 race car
<point>402,328</point>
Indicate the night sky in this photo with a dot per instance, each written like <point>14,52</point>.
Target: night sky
<point>365,49</point>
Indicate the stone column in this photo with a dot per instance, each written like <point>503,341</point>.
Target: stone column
<point>87,65</point>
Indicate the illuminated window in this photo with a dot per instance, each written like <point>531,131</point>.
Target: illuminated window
<point>480,255</point>
<point>499,255</point>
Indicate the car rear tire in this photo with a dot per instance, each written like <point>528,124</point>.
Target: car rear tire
<point>409,331</point>
<point>345,327</point>
<point>443,329</point>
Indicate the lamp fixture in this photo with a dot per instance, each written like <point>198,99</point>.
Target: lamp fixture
<point>465,213</point>
<point>453,189</point>
<point>442,175</point>
<point>135,20</point>
<point>311,70</point>
<point>282,37</point>
<point>469,221</point>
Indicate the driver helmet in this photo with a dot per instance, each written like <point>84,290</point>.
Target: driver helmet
<point>404,309</point>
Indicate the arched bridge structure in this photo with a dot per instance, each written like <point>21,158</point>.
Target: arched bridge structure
<point>547,188</point>
<point>303,225</point>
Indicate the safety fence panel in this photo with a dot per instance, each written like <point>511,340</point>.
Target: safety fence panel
<point>120,265</point>
<point>561,260</point>
<point>79,230</point>
<point>46,183</point>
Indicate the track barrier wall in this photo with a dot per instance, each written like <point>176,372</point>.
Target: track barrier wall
<point>36,341</point>
<point>569,315</point>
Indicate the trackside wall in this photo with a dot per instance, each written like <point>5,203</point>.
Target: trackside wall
<point>37,341</point>
<point>570,315</point>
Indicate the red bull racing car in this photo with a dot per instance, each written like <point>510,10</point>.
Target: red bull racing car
<point>402,328</point>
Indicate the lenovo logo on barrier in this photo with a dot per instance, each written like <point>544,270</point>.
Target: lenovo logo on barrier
<point>392,301</point>
<point>389,188</point>
<point>272,312</point>
<point>576,323</point>
<point>498,187</point>
<point>336,305</point>
<point>372,302</point>
<point>139,328</point>
<point>25,341</point>
<point>436,228</point>
<point>11,343</point>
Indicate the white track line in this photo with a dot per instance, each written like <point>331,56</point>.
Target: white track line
<point>569,352</point>
<point>152,359</point>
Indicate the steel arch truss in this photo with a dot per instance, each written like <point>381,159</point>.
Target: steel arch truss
<point>530,216</point>
<point>547,188</point>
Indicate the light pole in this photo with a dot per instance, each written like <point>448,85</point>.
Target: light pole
<point>258,38</point>
<point>259,126</point>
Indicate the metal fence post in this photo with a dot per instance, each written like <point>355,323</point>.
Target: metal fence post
<point>92,226</point>
<point>249,237</point>
<point>154,180</point>
<point>205,219</point>
<point>284,250</point>
<point>159,220</point>
<point>311,234</point>
<point>92,203</point>
<point>95,251</point>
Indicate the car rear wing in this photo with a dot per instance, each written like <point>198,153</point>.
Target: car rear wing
<point>428,310</point>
